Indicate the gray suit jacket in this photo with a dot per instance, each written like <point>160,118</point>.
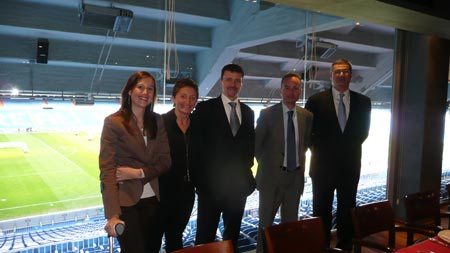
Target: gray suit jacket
<point>269,146</point>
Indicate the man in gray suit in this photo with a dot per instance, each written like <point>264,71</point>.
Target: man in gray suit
<point>281,139</point>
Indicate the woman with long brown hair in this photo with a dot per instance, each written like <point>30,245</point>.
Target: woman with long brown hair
<point>134,151</point>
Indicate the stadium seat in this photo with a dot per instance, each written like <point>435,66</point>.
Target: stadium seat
<point>70,235</point>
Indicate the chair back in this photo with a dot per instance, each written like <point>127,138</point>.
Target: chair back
<point>378,217</point>
<point>302,236</point>
<point>372,218</point>
<point>213,247</point>
<point>423,208</point>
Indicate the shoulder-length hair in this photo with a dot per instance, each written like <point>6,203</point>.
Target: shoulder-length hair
<point>184,82</point>
<point>150,128</point>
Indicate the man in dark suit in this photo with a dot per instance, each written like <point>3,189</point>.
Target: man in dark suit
<point>223,130</point>
<point>280,183</point>
<point>341,124</point>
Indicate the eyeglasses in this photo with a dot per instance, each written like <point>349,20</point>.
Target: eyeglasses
<point>343,71</point>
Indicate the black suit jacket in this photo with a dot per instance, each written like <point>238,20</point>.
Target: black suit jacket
<point>173,183</point>
<point>335,153</point>
<point>222,162</point>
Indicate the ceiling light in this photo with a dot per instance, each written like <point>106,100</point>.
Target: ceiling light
<point>14,92</point>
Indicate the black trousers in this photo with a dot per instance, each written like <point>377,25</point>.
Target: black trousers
<point>323,194</point>
<point>174,214</point>
<point>210,208</point>
<point>141,231</point>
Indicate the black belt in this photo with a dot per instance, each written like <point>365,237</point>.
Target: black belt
<point>285,169</point>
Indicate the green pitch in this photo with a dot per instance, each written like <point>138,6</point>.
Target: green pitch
<point>58,173</point>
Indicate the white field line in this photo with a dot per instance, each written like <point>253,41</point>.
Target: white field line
<point>49,172</point>
<point>61,155</point>
<point>41,173</point>
<point>48,203</point>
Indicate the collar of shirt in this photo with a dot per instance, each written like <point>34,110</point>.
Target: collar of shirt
<point>294,118</point>
<point>225,101</point>
<point>336,94</point>
<point>346,100</point>
<point>285,110</point>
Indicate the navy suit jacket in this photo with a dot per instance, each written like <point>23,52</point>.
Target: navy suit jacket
<point>335,153</point>
<point>222,162</point>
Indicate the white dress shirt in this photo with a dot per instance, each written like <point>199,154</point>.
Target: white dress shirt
<point>345,99</point>
<point>225,101</point>
<point>148,190</point>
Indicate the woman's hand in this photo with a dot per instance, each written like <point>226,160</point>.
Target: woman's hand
<point>111,225</point>
<point>125,173</point>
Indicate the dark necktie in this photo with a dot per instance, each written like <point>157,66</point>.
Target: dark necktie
<point>342,115</point>
<point>234,120</point>
<point>291,159</point>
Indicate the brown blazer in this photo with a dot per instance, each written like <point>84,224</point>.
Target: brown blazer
<point>120,148</point>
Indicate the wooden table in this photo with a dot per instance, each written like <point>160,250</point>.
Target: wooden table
<point>427,246</point>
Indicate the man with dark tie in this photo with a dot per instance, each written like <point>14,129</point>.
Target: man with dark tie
<point>282,137</point>
<point>224,136</point>
<point>341,125</point>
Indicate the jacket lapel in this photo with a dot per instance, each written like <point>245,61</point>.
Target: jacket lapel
<point>332,110</point>
<point>222,115</point>
<point>300,122</point>
<point>139,143</point>
<point>353,105</point>
<point>279,121</point>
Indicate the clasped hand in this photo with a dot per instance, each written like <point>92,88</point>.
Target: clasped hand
<point>125,173</point>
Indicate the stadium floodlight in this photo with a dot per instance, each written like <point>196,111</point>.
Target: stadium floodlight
<point>14,92</point>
